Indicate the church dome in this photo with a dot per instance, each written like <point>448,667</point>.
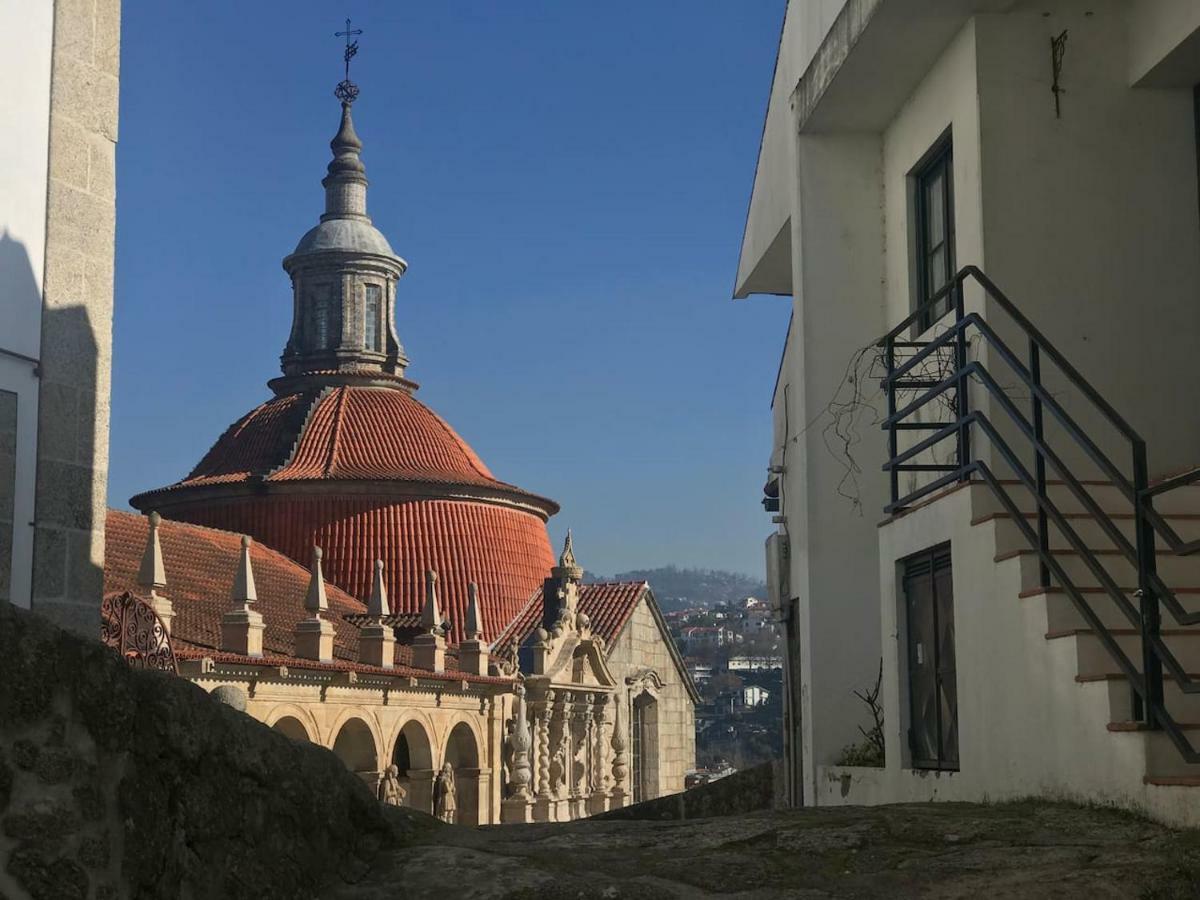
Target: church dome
<point>345,235</point>
<point>345,458</point>
<point>368,473</point>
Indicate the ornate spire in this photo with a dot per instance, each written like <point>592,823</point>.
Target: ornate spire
<point>344,275</point>
<point>153,574</point>
<point>244,591</point>
<point>346,182</point>
<point>315,601</point>
<point>431,613</point>
<point>474,614</point>
<point>567,567</point>
<point>377,606</point>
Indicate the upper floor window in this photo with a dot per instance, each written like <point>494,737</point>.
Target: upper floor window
<point>373,318</point>
<point>933,182</point>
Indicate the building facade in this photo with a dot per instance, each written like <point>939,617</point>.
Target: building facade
<point>957,201</point>
<point>60,62</point>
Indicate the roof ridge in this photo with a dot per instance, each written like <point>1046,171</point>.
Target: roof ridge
<point>300,432</point>
<point>335,427</point>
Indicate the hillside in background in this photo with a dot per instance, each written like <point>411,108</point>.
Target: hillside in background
<point>677,588</point>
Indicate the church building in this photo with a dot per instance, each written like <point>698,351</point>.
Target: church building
<point>343,566</point>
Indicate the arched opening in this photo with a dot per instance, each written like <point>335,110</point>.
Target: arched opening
<point>644,747</point>
<point>462,752</point>
<point>293,728</point>
<point>355,746</point>
<point>413,758</point>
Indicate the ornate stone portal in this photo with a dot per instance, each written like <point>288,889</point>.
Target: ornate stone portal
<point>568,685</point>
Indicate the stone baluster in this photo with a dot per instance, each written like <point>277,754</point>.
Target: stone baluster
<point>520,775</point>
<point>542,755</point>
<point>620,767</point>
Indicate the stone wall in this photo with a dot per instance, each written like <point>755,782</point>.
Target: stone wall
<point>643,645</point>
<point>76,345</point>
<point>115,782</point>
<point>741,792</point>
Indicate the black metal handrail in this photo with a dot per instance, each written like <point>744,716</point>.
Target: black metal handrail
<point>1141,553</point>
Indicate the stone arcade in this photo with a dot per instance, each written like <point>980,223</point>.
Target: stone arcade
<point>346,567</point>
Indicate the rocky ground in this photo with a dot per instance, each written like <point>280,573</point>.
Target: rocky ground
<point>1011,850</point>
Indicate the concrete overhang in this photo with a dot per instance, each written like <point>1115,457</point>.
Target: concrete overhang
<point>872,58</point>
<point>1164,44</point>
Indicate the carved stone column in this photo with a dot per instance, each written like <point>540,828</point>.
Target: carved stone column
<point>598,801</point>
<point>543,801</point>
<point>620,766</point>
<point>518,806</point>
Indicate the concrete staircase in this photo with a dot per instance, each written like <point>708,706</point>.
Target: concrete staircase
<point>1102,680</point>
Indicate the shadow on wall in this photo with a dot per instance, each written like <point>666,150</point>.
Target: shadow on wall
<point>70,475</point>
<point>20,326</point>
<point>20,298</point>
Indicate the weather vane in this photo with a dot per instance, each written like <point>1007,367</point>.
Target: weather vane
<point>347,90</point>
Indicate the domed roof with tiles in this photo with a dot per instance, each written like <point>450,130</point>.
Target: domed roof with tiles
<point>346,458</point>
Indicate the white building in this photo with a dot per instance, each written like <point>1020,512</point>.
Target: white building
<point>1052,146</point>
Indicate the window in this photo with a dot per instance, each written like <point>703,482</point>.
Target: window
<point>372,316</point>
<point>933,182</point>
<point>932,673</point>
<point>325,325</point>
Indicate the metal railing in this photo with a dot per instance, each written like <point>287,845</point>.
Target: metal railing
<point>967,425</point>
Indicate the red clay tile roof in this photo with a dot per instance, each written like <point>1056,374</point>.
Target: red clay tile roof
<point>505,551</point>
<point>348,433</point>
<point>607,604</point>
<point>200,564</point>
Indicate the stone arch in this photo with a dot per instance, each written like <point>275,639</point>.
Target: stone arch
<point>354,744</point>
<point>291,727</point>
<point>412,755</point>
<point>462,752</point>
<point>644,746</point>
<point>298,724</point>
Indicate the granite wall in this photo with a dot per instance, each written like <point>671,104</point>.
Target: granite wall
<point>642,645</point>
<point>76,343</point>
<point>116,782</point>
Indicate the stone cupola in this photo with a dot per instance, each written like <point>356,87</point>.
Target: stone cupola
<point>344,275</point>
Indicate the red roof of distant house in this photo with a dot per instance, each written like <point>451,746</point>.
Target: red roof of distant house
<point>200,564</point>
<point>608,605</point>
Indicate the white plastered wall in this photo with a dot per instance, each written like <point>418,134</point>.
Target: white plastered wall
<point>1091,220</point>
<point>26,43</point>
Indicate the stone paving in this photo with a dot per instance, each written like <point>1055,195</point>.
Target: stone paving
<point>1011,850</point>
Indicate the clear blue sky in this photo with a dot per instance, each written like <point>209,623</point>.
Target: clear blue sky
<point>568,182</point>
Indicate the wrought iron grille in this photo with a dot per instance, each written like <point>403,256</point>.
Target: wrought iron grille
<point>130,626</point>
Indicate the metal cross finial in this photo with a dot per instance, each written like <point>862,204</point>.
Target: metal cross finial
<point>347,90</point>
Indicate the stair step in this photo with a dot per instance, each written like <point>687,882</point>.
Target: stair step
<point>1182,707</point>
<point>1107,496</point>
<point>1009,537</point>
<point>1061,614</point>
<point>1172,780</point>
<point>1093,658</point>
<point>1182,570</point>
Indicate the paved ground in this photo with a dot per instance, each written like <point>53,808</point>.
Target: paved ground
<point>1013,850</point>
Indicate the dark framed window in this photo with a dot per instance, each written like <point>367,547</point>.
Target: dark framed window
<point>325,325</point>
<point>933,184</point>
<point>372,318</point>
<point>932,671</point>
